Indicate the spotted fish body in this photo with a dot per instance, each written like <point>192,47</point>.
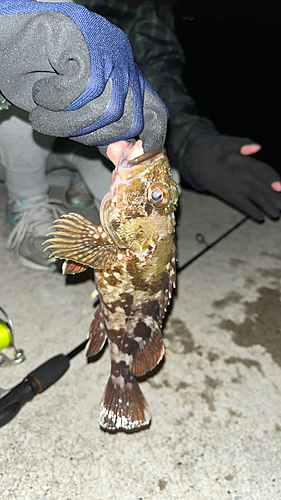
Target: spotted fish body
<point>133,254</point>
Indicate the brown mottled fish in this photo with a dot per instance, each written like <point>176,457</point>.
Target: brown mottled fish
<point>133,254</point>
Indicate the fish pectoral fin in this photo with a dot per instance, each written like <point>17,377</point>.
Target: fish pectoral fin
<point>123,407</point>
<point>77,239</point>
<point>72,267</point>
<point>97,335</point>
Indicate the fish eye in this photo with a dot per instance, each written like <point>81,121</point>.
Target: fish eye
<point>157,195</point>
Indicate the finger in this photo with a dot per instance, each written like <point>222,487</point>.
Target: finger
<point>247,207</point>
<point>119,130</point>
<point>275,197</point>
<point>116,116</point>
<point>43,49</point>
<point>265,198</point>
<point>257,169</point>
<point>276,186</point>
<point>66,123</point>
<point>155,122</point>
<point>104,149</point>
<point>57,92</point>
<point>122,125</point>
<point>250,149</point>
<point>69,60</point>
<point>115,150</point>
<point>265,204</point>
<point>232,144</point>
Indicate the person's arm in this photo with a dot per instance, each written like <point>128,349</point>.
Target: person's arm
<point>74,72</point>
<point>160,57</point>
<point>206,159</point>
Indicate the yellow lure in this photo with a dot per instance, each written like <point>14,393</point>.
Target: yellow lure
<point>5,336</point>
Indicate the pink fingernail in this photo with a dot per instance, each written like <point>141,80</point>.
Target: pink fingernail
<point>250,149</point>
<point>276,186</point>
<point>257,146</point>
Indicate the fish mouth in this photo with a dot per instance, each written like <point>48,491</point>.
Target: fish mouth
<point>127,169</point>
<point>148,156</point>
<point>138,159</point>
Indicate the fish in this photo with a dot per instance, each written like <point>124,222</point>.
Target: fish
<point>133,253</point>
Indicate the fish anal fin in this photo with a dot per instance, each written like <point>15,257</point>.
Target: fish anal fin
<point>123,407</point>
<point>151,349</point>
<point>77,239</point>
<point>72,267</point>
<point>97,335</point>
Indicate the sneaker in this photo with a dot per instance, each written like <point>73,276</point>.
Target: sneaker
<point>30,221</point>
<point>78,195</point>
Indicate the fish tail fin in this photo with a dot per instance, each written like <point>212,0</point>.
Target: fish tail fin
<point>97,335</point>
<point>123,406</point>
<point>150,352</point>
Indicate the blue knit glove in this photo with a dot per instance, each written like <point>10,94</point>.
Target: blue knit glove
<point>75,73</point>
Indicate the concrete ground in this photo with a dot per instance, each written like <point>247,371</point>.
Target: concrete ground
<point>216,428</point>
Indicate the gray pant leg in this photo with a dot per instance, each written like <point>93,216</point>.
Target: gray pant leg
<point>23,155</point>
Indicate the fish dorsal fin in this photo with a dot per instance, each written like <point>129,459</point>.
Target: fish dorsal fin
<point>77,239</point>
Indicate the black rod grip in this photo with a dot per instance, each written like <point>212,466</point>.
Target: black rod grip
<point>11,404</point>
<point>36,382</point>
<point>51,371</point>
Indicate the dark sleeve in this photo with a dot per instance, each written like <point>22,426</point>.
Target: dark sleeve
<point>160,57</point>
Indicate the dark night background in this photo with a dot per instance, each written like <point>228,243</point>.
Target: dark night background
<point>233,66</point>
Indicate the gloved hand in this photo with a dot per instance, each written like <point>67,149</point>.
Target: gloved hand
<point>75,73</point>
<point>222,165</point>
